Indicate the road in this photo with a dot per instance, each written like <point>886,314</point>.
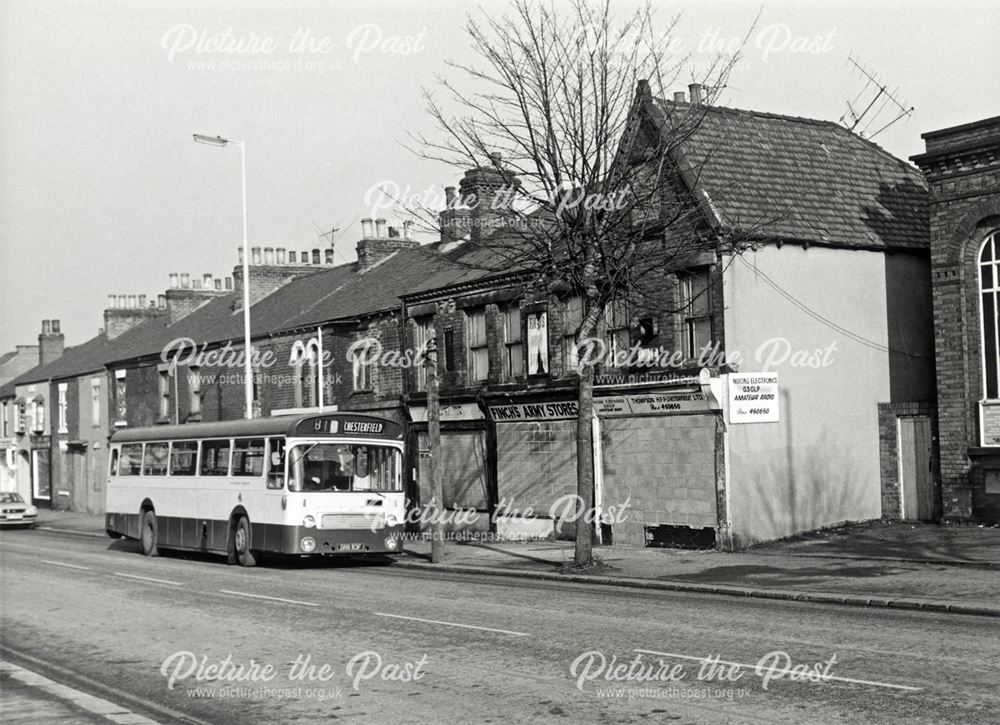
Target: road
<point>401,645</point>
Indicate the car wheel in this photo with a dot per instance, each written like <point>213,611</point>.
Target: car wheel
<point>242,543</point>
<point>148,534</point>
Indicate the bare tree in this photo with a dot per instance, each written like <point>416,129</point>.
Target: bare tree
<point>592,198</point>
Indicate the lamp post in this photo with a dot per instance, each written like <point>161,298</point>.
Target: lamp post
<point>247,368</point>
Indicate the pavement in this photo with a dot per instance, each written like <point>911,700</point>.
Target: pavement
<point>875,564</point>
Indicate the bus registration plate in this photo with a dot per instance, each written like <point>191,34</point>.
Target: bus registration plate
<point>350,547</point>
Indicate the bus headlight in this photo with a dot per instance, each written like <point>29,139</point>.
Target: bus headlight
<point>308,522</point>
<point>308,543</point>
<point>390,543</point>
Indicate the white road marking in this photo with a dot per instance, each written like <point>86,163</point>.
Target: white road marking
<point>271,599</point>
<point>68,566</point>
<point>451,624</point>
<point>90,703</point>
<point>147,579</point>
<point>873,683</point>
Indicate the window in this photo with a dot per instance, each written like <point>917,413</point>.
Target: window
<point>215,458</point>
<point>164,382</point>
<point>130,460</point>
<point>989,284</point>
<point>154,463</point>
<point>63,412</point>
<point>513,359</point>
<point>183,458</point>
<point>276,463</point>
<point>95,402</point>
<point>121,409</point>
<point>616,322</point>
<point>538,342</point>
<point>362,364</point>
<point>248,457</point>
<point>113,467</point>
<point>6,421</point>
<point>194,392</point>
<point>423,333</point>
<point>343,467</point>
<point>572,320</point>
<point>449,350</point>
<point>696,312</point>
<point>475,335</point>
<point>38,414</point>
<point>22,418</point>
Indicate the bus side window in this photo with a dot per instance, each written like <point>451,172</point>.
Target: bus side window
<point>276,463</point>
<point>114,462</point>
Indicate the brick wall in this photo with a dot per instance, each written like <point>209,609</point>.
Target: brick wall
<point>962,166</point>
<point>663,467</point>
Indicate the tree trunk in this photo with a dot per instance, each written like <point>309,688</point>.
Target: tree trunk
<point>434,442</point>
<point>584,553</point>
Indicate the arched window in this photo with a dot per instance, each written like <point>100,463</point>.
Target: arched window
<point>989,285</point>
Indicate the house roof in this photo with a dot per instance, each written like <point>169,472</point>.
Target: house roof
<point>800,179</point>
<point>87,357</point>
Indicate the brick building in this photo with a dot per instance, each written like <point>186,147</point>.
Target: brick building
<point>962,167</point>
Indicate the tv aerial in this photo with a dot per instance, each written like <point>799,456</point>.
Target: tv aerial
<point>871,104</point>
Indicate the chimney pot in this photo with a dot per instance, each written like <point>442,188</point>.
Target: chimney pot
<point>131,302</point>
<point>161,301</point>
<point>269,255</point>
<point>449,196</point>
<point>695,91</point>
<point>196,283</point>
<point>380,228</point>
<point>679,97</point>
<point>55,327</point>
<point>316,259</point>
<point>240,249</point>
<point>495,158</point>
<point>292,257</point>
<point>304,257</point>
<point>185,280</point>
<point>121,302</point>
<point>229,283</point>
<point>112,301</point>
<point>46,327</point>
<point>329,256</point>
<point>142,301</point>
<point>173,280</point>
<point>279,255</point>
<point>366,229</point>
<point>254,255</point>
<point>393,233</point>
<point>218,284</point>
<point>407,230</point>
<point>207,284</point>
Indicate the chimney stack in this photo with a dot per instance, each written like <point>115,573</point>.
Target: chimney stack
<point>695,91</point>
<point>50,342</point>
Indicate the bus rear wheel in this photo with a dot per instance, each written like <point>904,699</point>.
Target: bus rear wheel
<point>242,543</point>
<point>148,534</point>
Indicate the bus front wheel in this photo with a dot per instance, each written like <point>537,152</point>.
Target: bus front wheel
<point>148,537</point>
<point>242,542</point>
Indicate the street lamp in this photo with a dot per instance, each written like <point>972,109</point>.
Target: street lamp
<point>247,369</point>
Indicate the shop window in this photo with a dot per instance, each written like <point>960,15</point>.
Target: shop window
<point>989,285</point>
<point>696,313</point>
<point>475,335</point>
<point>513,362</point>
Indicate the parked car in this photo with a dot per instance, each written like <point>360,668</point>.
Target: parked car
<point>15,511</point>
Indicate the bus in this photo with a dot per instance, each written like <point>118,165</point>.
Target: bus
<point>304,485</point>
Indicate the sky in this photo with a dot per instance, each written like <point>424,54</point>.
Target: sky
<point>103,191</point>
